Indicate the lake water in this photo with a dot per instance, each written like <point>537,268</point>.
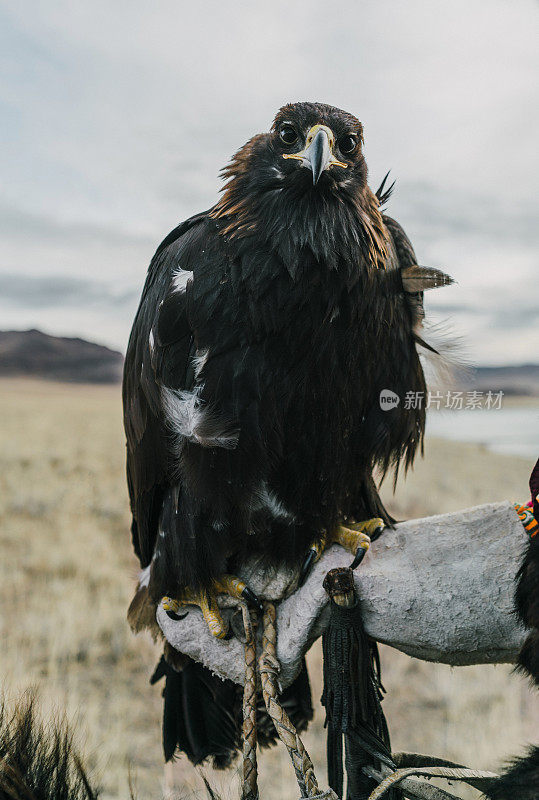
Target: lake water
<point>513,430</point>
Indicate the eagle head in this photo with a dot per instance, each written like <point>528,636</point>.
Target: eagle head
<point>316,145</point>
<point>304,185</point>
<point>312,155</point>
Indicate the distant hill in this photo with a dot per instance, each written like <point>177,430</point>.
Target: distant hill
<point>36,354</point>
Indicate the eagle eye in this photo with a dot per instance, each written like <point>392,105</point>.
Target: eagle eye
<point>288,134</point>
<point>348,143</point>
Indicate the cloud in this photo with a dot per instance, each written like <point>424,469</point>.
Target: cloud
<point>118,117</point>
<point>437,211</point>
<point>54,291</point>
<point>18,224</point>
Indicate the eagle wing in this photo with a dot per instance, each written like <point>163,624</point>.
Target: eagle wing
<point>150,363</point>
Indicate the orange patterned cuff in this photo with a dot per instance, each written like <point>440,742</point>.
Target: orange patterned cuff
<point>525,515</point>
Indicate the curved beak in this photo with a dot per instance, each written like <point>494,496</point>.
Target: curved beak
<point>318,152</point>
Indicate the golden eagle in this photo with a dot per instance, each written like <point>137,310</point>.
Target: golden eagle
<point>269,328</point>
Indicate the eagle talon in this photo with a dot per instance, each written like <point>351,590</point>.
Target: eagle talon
<point>172,615</point>
<point>207,602</point>
<point>360,555</point>
<point>313,555</point>
<point>170,604</point>
<point>234,587</point>
<point>377,531</point>
<point>251,599</point>
<point>357,538</point>
<point>308,562</point>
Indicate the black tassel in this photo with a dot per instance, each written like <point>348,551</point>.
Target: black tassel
<point>352,694</point>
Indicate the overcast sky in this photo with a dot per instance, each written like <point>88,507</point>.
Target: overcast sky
<point>117,116</point>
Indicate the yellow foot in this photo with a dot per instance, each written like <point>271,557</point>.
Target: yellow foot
<point>356,539</point>
<point>207,602</point>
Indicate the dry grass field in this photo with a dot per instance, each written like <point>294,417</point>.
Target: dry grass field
<point>67,574</point>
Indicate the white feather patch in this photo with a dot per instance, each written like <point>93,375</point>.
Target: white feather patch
<point>266,499</point>
<point>182,410</point>
<point>189,419</point>
<point>151,345</point>
<point>199,361</point>
<point>180,280</point>
<point>144,577</point>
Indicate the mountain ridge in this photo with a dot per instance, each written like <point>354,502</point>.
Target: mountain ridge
<point>33,353</point>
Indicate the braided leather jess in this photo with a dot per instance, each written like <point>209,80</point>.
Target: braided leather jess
<point>250,771</point>
<point>269,670</point>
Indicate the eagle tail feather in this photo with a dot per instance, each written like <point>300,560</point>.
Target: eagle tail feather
<point>202,714</point>
<point>198,714</point>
